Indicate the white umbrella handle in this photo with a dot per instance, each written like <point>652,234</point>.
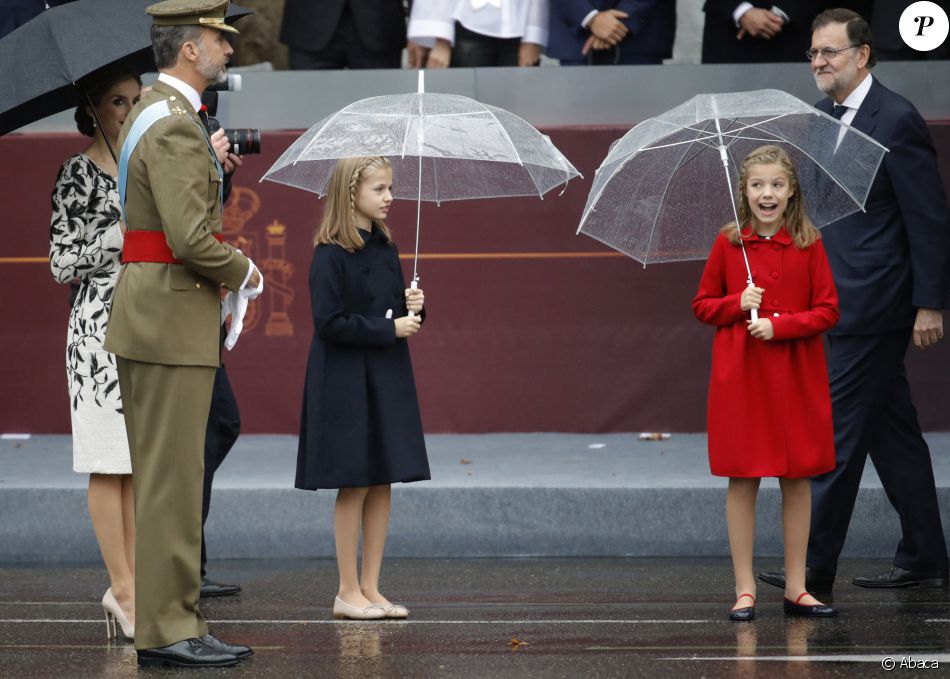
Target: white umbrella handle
<point>414,286</point>
<point>753,313</point>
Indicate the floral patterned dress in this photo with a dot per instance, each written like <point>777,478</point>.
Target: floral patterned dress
<point>86,244</point>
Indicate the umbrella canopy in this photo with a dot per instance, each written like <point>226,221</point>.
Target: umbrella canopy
<point>43,58</point>
<point>666,187</point>
<point>441,146</point>
<point>465,149</point>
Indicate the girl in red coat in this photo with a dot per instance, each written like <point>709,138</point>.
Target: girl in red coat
<point>769,403</point>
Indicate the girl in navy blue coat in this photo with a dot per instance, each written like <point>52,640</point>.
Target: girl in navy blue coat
<point>360,430</point>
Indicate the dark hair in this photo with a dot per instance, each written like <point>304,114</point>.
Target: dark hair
<point>859,33</point>
<point>95,86</point>
<point>167,42</point>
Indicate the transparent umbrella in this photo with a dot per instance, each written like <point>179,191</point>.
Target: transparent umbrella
<point>442,147</point>
<point>666,186</point>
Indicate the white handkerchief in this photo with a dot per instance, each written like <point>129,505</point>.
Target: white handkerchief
<point>478,4</point>
<point>235,305</point>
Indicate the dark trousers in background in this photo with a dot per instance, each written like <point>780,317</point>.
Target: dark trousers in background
<point>615,56</point>
<point>224,427</point>
<point>344,51</point>
<point>474,50</point>
<point>874,416</point>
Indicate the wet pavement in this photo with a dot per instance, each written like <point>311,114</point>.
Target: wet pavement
<point>607,617</point>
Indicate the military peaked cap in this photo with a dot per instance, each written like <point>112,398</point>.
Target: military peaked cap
<point>209,13</point>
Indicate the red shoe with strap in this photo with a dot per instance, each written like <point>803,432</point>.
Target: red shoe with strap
<point>798,609</point>
<point>745,614</point>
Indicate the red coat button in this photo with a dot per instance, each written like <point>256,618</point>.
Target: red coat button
<point>774,274</point>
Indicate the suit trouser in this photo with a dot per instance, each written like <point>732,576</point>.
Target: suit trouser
<point>166,412</point>
<point>224,427</point>
<point>873,415</point>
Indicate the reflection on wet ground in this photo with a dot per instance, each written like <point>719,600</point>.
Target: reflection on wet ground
<point>493,618</point>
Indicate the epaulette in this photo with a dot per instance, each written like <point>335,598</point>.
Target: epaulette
<point>176,107</point>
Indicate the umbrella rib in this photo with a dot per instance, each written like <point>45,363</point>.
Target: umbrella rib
<point>508,137</point>
<point>778,137</point>
<point>666,190</point>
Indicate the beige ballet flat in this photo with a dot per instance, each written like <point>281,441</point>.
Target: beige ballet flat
<point>394,611</point>
<point>114,613</point>
<point>342,610</point>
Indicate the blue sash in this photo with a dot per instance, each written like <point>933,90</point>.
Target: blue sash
<point>151,115</point>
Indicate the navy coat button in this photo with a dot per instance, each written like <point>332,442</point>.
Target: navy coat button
<point>372,298</point>
<point>366,269</point>
<point>396,295</point>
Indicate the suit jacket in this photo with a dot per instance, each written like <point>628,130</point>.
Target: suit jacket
<point>895,257</point>
<point>652,25</point>
<point>311,24</point>
<point>171,313</point>
<point>720,45</point>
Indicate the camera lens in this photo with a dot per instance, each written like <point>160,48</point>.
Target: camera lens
<point>244,141</point>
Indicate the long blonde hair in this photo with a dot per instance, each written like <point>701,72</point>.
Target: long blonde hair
<point>338,224</point>
<point>797,223</point>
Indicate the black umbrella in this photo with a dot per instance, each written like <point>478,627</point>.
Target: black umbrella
<point>43,58</point>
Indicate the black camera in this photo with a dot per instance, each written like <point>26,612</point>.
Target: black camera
<point>245,141</point>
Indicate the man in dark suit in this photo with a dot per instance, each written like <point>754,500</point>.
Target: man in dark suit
<point>738,32</point>
<point>603,32</point>
<point>324,34</point>
<point>891,266</point>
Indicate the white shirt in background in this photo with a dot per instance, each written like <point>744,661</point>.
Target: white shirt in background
<point>525,19</point>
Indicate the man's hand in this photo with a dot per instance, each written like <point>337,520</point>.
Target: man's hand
<point>440,56</point>
<point>417,54</point>
<point>529,54</point>
<point>231,163</point>
<point>760,23</point>
<point>221,145</point>
<point>928,328</point>
<point>607,26</point>
<point>594,43</point>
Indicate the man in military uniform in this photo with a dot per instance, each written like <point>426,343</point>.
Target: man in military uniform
<point>164,325</point>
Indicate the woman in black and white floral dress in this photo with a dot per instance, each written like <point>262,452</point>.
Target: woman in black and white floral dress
<point>86,234</point>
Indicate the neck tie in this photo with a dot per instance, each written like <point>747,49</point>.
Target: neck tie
<point>838,111</point>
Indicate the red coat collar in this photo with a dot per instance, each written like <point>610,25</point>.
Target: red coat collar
<point>781,237</point>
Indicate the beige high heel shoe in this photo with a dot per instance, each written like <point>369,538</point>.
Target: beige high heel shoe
<point>114,613</point>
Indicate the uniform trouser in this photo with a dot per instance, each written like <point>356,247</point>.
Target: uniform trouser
<point>166,412</point>
<point>224,426</point>
<point>874,416</point>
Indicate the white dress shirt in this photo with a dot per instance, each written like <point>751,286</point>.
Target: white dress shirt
<point>744,7</point>
<point>853,103</point>
<point>525,19</point>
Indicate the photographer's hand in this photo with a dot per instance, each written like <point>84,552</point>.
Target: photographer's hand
<point>221,145</point>
<point>231,163</point>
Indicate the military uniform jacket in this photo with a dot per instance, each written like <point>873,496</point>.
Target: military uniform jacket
<point>170,313</point>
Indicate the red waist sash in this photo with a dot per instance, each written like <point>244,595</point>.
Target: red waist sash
<point>150,246</point>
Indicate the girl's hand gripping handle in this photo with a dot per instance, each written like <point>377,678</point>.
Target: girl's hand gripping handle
<point>751,300</point>
<point>415,298</point>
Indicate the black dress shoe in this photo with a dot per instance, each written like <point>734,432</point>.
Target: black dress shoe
<point>186,653</point>
<point>746,614</point>
<point>234,649</point>
<point>901,577</point>
<point>815,581</point>
<point>212,588</point>
<point>807,610</point>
